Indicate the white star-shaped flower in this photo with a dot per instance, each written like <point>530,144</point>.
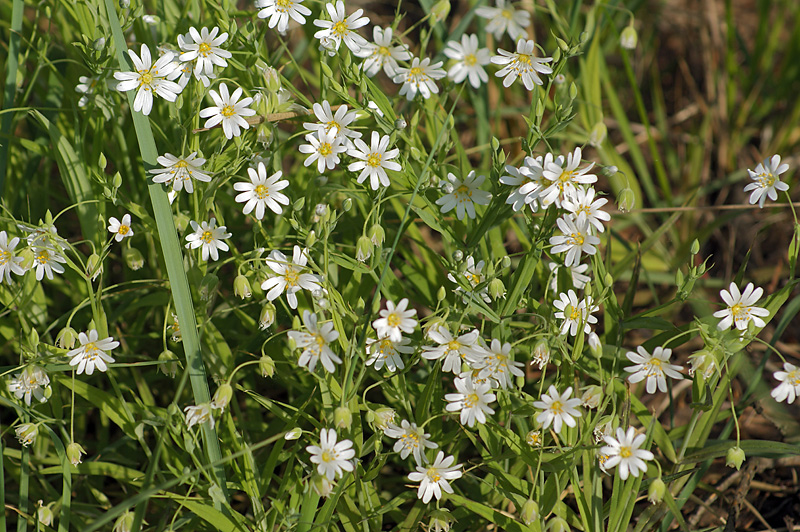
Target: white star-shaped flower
<point>419,77</point>
<point>208,237</point>
<point>789,388</point>
<point>472,400</point>
<point>92,352</point>
<point>575,313</point>
<point>741,307</point>
<point>470,60</point>
<point>576,239</point>
<point>386,352</point>
<point>504,18</point>
<point>9,262</point>
<point>229,110</point>
<point>324,148</point>
<point>316,343</point>
<point>558,409</point>
<point>332,458</point>
<point>374,160</point>
<point>653,367</point>
<point>289,276</point>
<point>767,181</point>
<point>436,477</point>
<point>280,11</point>
<point>464,195</point>
<point>262,191</point>
<point>150,79</point>
<point>624,451</point>
<point>522,64</point>
<point>381,54</point>
<point>395,320</point>
<point>203,48</point>
<point>341,28</point>
<point>179,172</point>
<point>120,228</point>
<point>410,440</point>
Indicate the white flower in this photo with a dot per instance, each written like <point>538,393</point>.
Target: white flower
<point>381,54</point>
<point>529,182</point>
<point>435,477</point>
<point>789,387</point>
<point>9,262</point>
<point>120,229</point>
<point>341,28</point>
<point>43,236</point>
<point>229,110</point>
<point>581,204</point>
<point>289,276</point>
<point>315,343</point>
<point>470,60</point>
<point>279,12</point>
<point>199,414</point>
<point>385,351</point>
<point>472,400</point>
<point>558,409</point>
<point>564,176</point>
<point>419,78</point>
<point>453,350</point>
<point>331,457</point>
<point>324,147</point>
<point>32,382</point>
<point>262,191</point>
<point>328,120</point>
<point>374,160</point>
<point>741,307</point>
<point>575,272</point>
<point>149,79</point>
<point>576,239</point>
<point>575,313</point>
<point>766,180</point>
<point>497,365</point>
<point>86,88</point>
<point>521,64</point>
<point>26,433</point>
<point>410,439</point>
<point>92,352</point>
<point>46,261</point>
<point>652,367</point>
<point>179,172</point>
<point>209,237</point>
<point>395,321</point>
<point>474,275</point>
<point>504,18</point>
<point>204,50</point>
<point>624,451</point>
<point>465,195</point>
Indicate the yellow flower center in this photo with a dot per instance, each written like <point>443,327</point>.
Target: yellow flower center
<point>525,59</point>
<point>463,193</point>
<point>793,378</point>
<point>575,313</point>
<point>204,48</point>
<point>474,279</point>
<point>410,439</point>
<point>415,72</point>
<point>262,191</point>
<point>228,111</point>
<point>738,310</point>
<point>625,452</point>
<point>470,60</point>
<point>207,237</point>
<point>339,28</point>
<point>328,456</point>
<point>557,407</point>
<point>766,179</point>
<point>393,319</point>
<point>507,13</point>
<point>374,159</point>
<point>43,257</point>
<point>325,149</point>
<point>146,78</point>
<point>123,229</point>
<point>181,164</point>
<point>434,475</point>
<point>331,124</point>
<point>453,345</point>
<point>320,340</point>
<point>577,238</point>
<point>283,5</point>
<point>291,276</point>
<point>471,400</point>
<point>384,51</point>
<point>5,257</point>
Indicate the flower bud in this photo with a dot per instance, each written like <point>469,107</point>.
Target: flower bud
<point>695,249</point>
<point>169,363</point>
<point>267,316</point>
<point>267,366</point>
<point>626,200</point>
<point>439,12</point>
<point>342,417</point>
<point>99,44</point>
<point>497,289</point>
<point>441,294</point>
<point>222,397</point>
<point>735,457</point>
<point>311,238</point>
<point>458,255</point>
<point>44,514</point>
<point>557,524</point>
<point>656,491</point>
<point>124,4</point>
<point>628,38</point>
<point>272,80</point>
<point>124,523</point>
<point>74,453</point>
<point>400,123</point>
<point>541,353</point>
<point>441,520</point>
<point>598,134</point>
<point>94,266</point>
<point>384,417</point>
<point>529,512</point>
<point>347,205</point>
<point>363,249</point>
<point>133,258</point>
<point>321,485</point>
<point>66,338</point>
<point>293,434</point>
<point>594,344</point>
<point>505,262</point>
<point>241,287</point>
<point>591,396</point>
<point>26,433</point>
<point>534,438</point>
<point>376,234</point>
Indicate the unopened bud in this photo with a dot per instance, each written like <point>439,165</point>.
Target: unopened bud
<point>400,123</point>
<point>541,353</point>
<point>695,247</point>
<point>241,287</point>
<point>440,11</point>
<point>441,294</point>
<point>311,239</point>
<point>384,417</point>
<point>656,491</point>
<point>342,417</point>
<point>626,200</point>
<point>267,316</point>
<point>222,397</point>
<point>321,485</point>
<point>99,44</point>
<point>376,234</point>
<point>74,453</point>
<point>272,80</point>
<point>505,262</point>
<point>529,512</point>
<point>441,520</point>
<point>497,289</point>
<point>267,366</point>
<point>169,363</point>
<point>124,523</point>
<point>347,205</point>
<point>735,457</point>
<point>44,514</point>
<point>363,249</point>
<point>293,434</point>
<point>598,134</point>
<point>94,266</point>
<point>66,338</point>
<point>629,38</point>
<point>557,524</point>
<point>133,258</point>
<point>594,344</point>
<point>591,396</point>
<point>458,255</point>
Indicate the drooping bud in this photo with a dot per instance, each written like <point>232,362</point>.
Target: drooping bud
<point>529,512</point>
<point>169,363</point>
<point>441,520</point>
<point>440,11</point>
<point>591,396</point>
<point>629,38</point>
<point>458,255</point>
<point>94,266</point>
<point>241,287</point>
<point>558,524</point>
<point>133,258</point>
<point>342,417</point>
<point>124,523</point>
<point>222,397</point>
<point>656,491</point>
<point>626,200</point>
<point>26,433</point>
<point>497,289</point>
<point>541,353</point>
<point>74,453</point>
<point>44,514</point>
<point>267,366</point>
<point>66,338</point>
<point>321,485</point>
<point>384,417</point>
<point>376,234</point>
<point>363,249</point>
<point>598,134</point>
<point>735,457</point>
<point>267,316</point>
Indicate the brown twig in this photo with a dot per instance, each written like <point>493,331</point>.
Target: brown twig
<point>272,117</point>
